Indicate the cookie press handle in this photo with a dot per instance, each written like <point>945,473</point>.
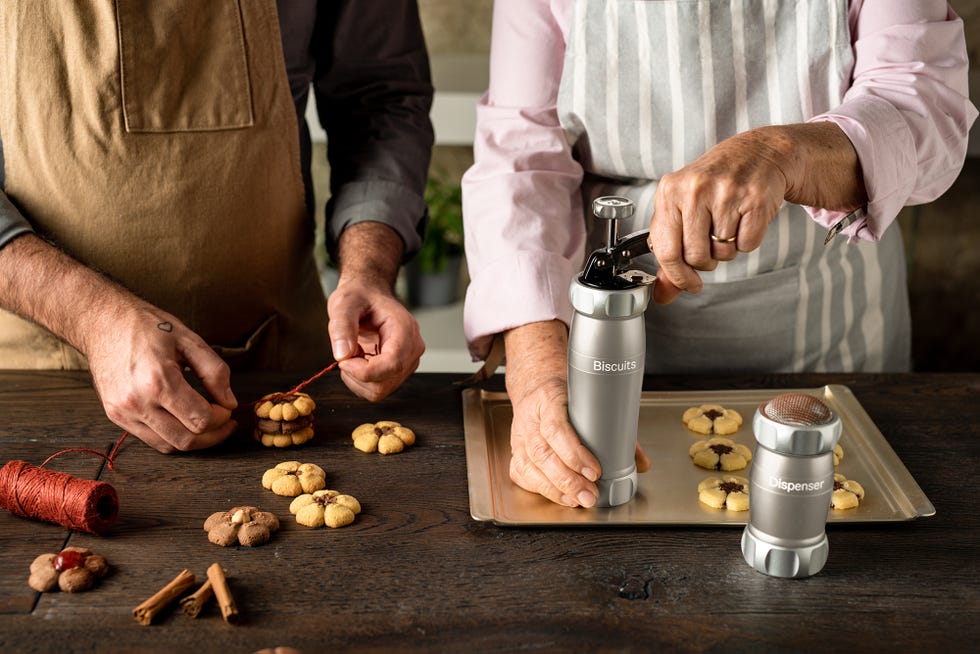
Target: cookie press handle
<point>606,356</point>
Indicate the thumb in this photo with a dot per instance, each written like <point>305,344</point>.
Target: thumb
<point>664,291</point>
<point>343,333</point>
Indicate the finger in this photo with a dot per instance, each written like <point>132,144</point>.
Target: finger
<point>165,434</point>
<point>181,402</point>
<point>667,239</point>
<point>752,229</point>
<point>724,234</point>
<point>397,356</point>
<point>212,370</point>
<point>376,377</point>
<point>570,481</point>
<point>372,391</point>
<point>527,476</point>
<point>565,443</point>
<point>697,242</point>
<point>343,327</point>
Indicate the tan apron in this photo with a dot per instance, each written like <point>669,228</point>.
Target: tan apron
<point>157,141</point>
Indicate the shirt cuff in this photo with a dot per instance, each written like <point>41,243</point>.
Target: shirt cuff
<point>886,150</point>
<point>12,223</point>
<point>389,203</point>
<point>516,290</point>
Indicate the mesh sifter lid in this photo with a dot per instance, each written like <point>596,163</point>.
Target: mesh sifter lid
<point>797,409</point>
<point>796,423</point>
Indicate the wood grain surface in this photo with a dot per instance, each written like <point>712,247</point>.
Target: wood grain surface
<point>415,571</point>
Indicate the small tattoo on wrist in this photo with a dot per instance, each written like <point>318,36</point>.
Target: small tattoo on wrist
<point>165,326</point>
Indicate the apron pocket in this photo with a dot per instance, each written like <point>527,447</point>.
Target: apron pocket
<point>183,65</point>
<point>260,347</point>
<point>744,325</point>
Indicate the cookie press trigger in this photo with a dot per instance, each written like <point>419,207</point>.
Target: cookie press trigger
<point>607,351</point>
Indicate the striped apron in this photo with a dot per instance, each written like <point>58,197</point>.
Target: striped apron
<point>649,86</point>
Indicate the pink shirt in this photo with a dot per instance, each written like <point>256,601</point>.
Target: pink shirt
<point>907,112</point>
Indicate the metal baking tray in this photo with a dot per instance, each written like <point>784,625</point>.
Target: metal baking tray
<point>667,494</point>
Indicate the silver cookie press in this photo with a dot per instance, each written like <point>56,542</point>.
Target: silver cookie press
<point>607,351</point>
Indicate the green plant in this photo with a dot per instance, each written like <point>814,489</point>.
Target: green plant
<point>444,233</point>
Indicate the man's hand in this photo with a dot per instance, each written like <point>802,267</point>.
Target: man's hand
<point>365,315</point>
<point>368,318</point>
<point>136,352</point>
<point>723,202</point>
<point>138,371</point>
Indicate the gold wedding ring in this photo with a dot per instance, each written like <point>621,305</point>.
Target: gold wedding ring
<point>718,239</point>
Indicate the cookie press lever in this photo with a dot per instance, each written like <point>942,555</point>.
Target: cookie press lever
<point>607,350</point>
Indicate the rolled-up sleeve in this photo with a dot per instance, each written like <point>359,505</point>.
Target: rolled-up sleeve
<point>524,230</point>
<point>907,111</point>
<point>374,92</point>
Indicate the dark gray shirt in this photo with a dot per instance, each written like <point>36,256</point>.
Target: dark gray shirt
<point>366,62</point>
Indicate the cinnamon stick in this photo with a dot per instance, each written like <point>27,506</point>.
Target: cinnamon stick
<point>145,612</point>
<point>192,604</point>
<point>229,611</point>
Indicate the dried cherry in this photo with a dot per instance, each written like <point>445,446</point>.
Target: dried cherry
<point>68,559</point>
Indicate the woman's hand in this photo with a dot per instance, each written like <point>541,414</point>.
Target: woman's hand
<point>723,202</point>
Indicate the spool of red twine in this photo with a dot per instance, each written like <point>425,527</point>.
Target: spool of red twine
<point>57,497</point>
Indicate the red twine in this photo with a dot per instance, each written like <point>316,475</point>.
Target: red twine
<point>34,492</point>
<point>303,384</point>
<point>51,496</point>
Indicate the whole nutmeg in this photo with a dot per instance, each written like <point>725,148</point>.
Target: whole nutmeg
<point>76,580</point>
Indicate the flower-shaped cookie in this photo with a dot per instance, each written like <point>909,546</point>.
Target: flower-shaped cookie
<point>712,418</point>
<point>847,493</point>
<point>73,570</point>
<point>720,453</point>
<point>730,493</point>
<point>325,507</point>
<point>246,525</point>
<point>284,420</point>
<point>386,437</point>
<point>292,478</point>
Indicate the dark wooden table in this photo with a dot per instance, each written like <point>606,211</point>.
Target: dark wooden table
<point>415,571</point>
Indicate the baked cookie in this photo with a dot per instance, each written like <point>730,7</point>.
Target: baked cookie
<point>245,525</point>
<point>292,478</point>
<point>720,453</point>
<point>847,494</point>
<point>284,420</point>
<point>325,507</point>
<point>73,570</point>
<point>712,419</point>
<point>838,454</point>
<point>385,437</point>
<point>730,493</point>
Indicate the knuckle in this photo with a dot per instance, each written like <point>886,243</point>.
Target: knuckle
<point>539,451</point>
<point>115,413</point>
